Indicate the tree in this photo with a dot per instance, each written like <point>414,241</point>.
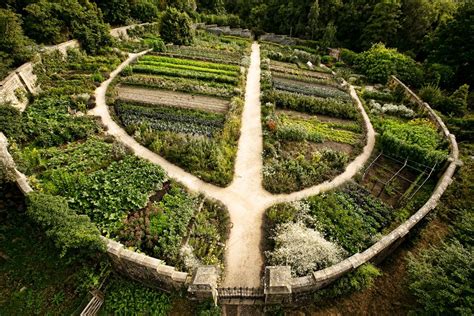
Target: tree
<point>441,279</point>
<point>452,43</point>
<point>11,33</point>
<point>313,18</point>
<point>383,24</point>
<point>144,10</point>
<point>176,27</point>
<point>116,12</point>
<point>329,35</point>
<point>379,62</point>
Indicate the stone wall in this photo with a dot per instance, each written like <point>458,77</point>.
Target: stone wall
<point>226,30</point>
<point>13,91</point>
<point>298,288</point>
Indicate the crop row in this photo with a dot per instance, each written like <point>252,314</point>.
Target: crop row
<point>188,67</point>
<point>170,119</point>
<point>318,81</point>
<point>181,84</point>
<point>309,89</point>
<point>307,104</point>
<point>198,52</point>
<point>189,62</point>
<point>312,130</point>
<point>184,73</point>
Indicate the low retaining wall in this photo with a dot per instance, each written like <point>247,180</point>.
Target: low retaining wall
<point>226,30</point>
<point>280,287</point>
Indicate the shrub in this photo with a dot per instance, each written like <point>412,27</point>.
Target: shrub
<point>304,249</point>
<point>176,27</point>
<point>441,279</point>
<point>68,230</point>
<point>432,95</point>
<point>348,56</point>
<point>125,297</point>
<point>357,280</point>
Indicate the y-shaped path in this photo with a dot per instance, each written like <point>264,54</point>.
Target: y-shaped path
<point>245,197</point>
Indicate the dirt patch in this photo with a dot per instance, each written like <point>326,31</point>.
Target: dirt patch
<point>172,98</point>
<point>383,171</point>
<point>308,148</point>
<point>321,118</point>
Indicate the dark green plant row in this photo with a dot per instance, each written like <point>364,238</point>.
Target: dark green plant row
<point>163,118</point>
<point>310,89</point>
<point>307,104</point>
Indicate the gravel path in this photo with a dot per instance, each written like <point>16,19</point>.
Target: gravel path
<point>244,197</point>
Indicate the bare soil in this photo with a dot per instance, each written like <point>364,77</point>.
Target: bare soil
<point>172,98</point>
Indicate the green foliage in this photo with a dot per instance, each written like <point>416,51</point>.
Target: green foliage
<point>47,122</point>
<point>352,217</point>
<point>290,171</point>
<point>52,22</point>
<point>211,230</point>
<point>68,230</point>
<point>125,297</point>
<point>455,104</point>
<point>311,105</point>
<point>176,27</point>
<point>11,123</point>
<point>164,118</point>
<point>441,279</point>
<point>362,278</point>
<point>116,12</point>
<point>383,23</point>
<point>159,228</point>
<point>221,19</point>
<point>144,10</point>
<point>456,51</point>
<point>99,196</point>
<point>379,62</point>
<point>14,45</point>
<point>310,89</point>
<point>189,85</point>
<point>35,279</point>
<point>418,140</point>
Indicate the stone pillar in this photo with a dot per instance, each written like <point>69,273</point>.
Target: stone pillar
<point>204,283</point>
<point>277,284</point>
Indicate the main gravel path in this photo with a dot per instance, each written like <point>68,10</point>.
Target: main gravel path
<point>245,197</point>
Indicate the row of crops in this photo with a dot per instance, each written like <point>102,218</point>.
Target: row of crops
<point>311,127</point>
<point>190,110</point>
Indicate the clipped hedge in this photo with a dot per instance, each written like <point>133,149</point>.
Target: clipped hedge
<point>67,229</point>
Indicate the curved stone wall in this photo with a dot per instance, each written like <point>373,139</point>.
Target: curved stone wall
<point>281,287</point>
